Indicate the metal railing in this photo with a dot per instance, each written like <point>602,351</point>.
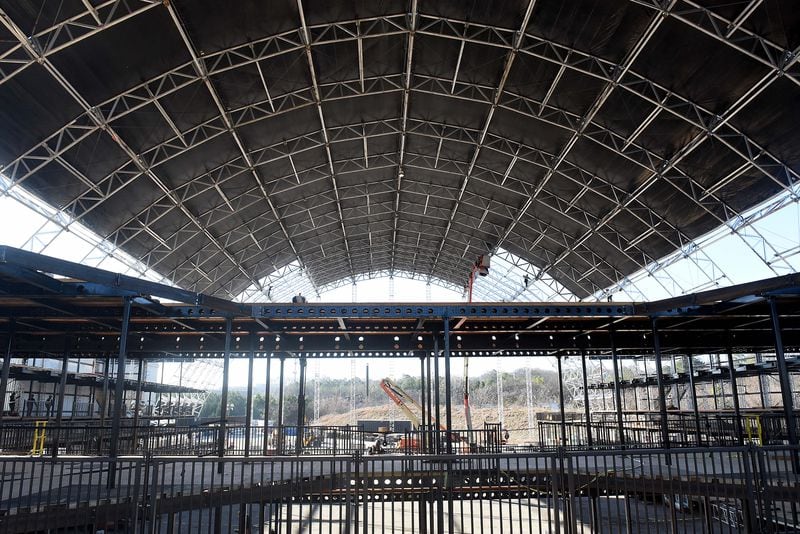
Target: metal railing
<point>734,489</point>
<point>683,429</point>
<point>182,440</point>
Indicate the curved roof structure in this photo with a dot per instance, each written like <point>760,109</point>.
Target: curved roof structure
<point>219,146</point>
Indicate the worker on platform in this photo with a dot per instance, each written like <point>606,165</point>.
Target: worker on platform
<point>12,403</point>
<point>48,406</point>
<point>30,403</point>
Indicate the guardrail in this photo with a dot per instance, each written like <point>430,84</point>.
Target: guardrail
<point>734,489</point>
<point>684,430</point>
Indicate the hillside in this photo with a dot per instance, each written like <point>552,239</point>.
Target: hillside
<point>516,418</point>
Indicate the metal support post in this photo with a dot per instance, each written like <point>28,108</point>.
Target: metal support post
<point>646,386</point>
<point>223,403</point>
<point>7,370</point>
<point>695,407</point>
<point>447,392</point>
<point>603,385</point>
<point>139,377</point>
<point>676,398</point>
<point>119,392</point>
<point>75,391</point>
<point>62,386</point>
<point>422,400</point>
<point>783,376</point>
<point>428,422</point>
<point>617,391</point>
<point>301,407</point>
<point>587,410</point>
<point>662,402</point>
<point>279,444</point>
<point>763,383</point>
<point>449,417</point>
<point>561,402</point>
<point>248,418</point>
<point>436,383</point>
<point>737,414</point>
<point>266,403</point>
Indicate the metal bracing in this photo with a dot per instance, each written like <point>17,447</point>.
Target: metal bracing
<point>69,31</point>
<point>634,83</point>
<point>420,128</point>
<point>620,76</point>
<point>236,57</point>
<point>61,80</point>
<point>355,214</point>
<point>742,226</point>
<point>199,185</point>
<point>732,33</point>
<point>202,73</point>
<point>584,123</point>
<point>194,184</point>
<point>318,102</point>
<point>409,60</point>
<point>498,93</point>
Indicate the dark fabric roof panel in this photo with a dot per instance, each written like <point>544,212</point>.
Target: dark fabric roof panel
<point>607,29</point>
<point>27,112</point>
<point>106,64</point>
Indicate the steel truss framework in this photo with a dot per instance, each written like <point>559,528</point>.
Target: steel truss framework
<point>437,193</point>
<point>54,308</point>
<point>82,309</point>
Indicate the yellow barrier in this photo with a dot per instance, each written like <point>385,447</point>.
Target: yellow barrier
<point>39,432</point>
<point>753,428</point>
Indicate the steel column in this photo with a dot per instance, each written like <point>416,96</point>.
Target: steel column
<point>602,382</point>
<point>62,386</point>
<point>447,391</point>
<point>763,383</point>
<point>617,391</point>
<point>587,411</point>
<point>735,394</point>
<point>436,394</point>
<point>279,444</point>
<point>783,376</point>
<point>561,402</point>
<point>422,400</point>
<point>139,376</point>
<point>106,373</point>
<point>119,391</point>
<point>266,402</point>
<point>662,402</point>
<point>431,427</point>
<point>7,369</point>
<point>248,424</point>
<point>301,407</point>
<point>223,402</point>
<point>695,407</point>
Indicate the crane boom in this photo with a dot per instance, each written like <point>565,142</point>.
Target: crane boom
<point>404,401</point>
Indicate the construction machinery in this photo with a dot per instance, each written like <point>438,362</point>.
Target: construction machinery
<point>410,407</point>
